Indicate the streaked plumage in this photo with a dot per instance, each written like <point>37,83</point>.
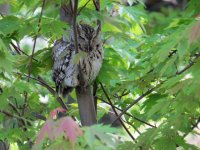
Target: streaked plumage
<point>65,70</point>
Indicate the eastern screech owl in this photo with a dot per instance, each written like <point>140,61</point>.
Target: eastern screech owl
<point>65,72</point>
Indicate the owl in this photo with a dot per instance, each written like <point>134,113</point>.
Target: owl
<point>66,72</point>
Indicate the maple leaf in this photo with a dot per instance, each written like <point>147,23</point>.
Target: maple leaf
<point>54,113</point>
<point>63,127</point>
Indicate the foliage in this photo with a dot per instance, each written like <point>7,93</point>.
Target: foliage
<point>151,56</point>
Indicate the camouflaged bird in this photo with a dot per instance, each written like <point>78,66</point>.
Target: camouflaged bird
<point>65,71</point>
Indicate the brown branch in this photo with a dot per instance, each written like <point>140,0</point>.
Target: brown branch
<point>35,40</point>
<point>14,116</point>
<point>129,114</point>
<point>25,103</point>
<point>6,113</point>
<point>39,116</point>
<point>53,92</point>
<point>15,48</point>
<point>97,5</point>
<point>131,124</point>
<point>31,60</point>
<point>136,101</point>
<point>152,89</point>
<point>76,38</point>
<point>186,68</point>
<point>122,123</point>
<point>75,25</point>
<point>20,114</point>
<point>14,107</point>
<point>48,87</point>
<point>19,51</point>
<point>83,7</point>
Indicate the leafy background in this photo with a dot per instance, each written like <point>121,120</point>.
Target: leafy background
<point>150,57</point>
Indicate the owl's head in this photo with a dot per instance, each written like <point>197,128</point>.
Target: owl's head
<point>89,38</point>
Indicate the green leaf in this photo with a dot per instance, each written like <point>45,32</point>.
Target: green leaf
<point>9,24</point>
<point>78,56</point>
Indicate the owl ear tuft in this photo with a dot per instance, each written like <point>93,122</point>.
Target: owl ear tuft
<point>98,29</point>
<point>79,28</point>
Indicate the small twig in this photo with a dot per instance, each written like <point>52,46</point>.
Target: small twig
<point>35,40</point>
<point>6,113</point>
<point>97,5</point>
<point>129,123</point>
<point>14,107</point>
<point>19,51</point>
<point>81,80</point>
<point>13,116</point>
<point>25,103</point>
<point>15,48</point>
<point>83,7</point>
<point>136,101</point>
<point>129,114</point>
<point>190,65</point>
<point>31,59</point>
<point>152,89</point>
<point>39,116</point>
<point>116,112</point>
<point>48,87</point>
<point>53,92</point>
<point>124,93</point>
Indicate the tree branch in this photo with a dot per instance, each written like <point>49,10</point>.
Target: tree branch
<point>108,98</point>
<point>19,51</point>
<point>13,116</point>
<point>96,4</point>
<point>136,101</point>
<point>152,89</point>
<point>48,87</point>
<point>75,25</point>
<point>83,7</point>
<point>35,40</point>
<point>129,114</point>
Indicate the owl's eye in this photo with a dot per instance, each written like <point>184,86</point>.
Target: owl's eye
<point>97,45</point>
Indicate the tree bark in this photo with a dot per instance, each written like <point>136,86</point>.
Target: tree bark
<point>86,106</point>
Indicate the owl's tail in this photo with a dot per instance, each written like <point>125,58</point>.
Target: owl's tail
<point>64,91</point>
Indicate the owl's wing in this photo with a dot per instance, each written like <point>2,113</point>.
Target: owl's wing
<point>61,55</point>
<point>59,47</point>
